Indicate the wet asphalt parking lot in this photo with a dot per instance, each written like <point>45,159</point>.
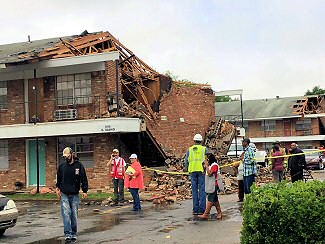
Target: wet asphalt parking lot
<point>40,222</point>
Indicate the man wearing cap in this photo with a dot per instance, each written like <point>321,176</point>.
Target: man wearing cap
<point>71,175</point>
<point>250,166</point>
<point>134,181</point>
<point>194,163</point>
<point>117,164</point>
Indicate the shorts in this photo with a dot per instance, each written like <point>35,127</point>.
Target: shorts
<point>213,197</point>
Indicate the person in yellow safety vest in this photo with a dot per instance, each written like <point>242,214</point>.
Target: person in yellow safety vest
<point>283,150</point>
<point>194,163</point>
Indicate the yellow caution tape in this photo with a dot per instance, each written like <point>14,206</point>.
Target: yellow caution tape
<point>231,164</point>
<point>291,155</point>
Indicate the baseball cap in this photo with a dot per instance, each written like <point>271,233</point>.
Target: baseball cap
<point>67,151</point>
<point>133,155</point>
<point>115,150</point>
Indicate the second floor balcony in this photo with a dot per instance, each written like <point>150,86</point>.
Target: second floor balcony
<point>61,109</point>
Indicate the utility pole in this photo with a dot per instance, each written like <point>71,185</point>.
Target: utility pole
<point>35,122</point>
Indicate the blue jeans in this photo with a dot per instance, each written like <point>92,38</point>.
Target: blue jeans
<point>198,192</point>
<point>136,199</point>
<point>248,182</point>
<point>69,210</point>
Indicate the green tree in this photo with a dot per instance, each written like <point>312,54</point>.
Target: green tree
<point>223,99</point>
<point>315,91</point>
<point>172,75</point>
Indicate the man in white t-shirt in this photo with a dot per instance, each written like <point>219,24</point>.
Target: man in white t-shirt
<point>117,165</point>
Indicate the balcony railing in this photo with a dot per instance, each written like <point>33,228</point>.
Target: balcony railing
<point>59,109</point>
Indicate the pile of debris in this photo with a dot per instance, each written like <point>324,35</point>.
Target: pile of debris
<point>219,136</point>
<point>168,188</point>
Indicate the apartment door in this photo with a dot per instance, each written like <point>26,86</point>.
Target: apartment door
<point>33,163</point>
<point>32,100</point>
<point>287,128</point>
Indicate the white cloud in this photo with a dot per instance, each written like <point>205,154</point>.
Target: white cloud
<point>259,46</point>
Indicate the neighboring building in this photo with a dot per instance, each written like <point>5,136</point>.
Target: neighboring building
<point>93,94</point>
<point>288,119</point>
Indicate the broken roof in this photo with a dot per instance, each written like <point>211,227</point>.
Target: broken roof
<point>24,51</point>
<point>260,108</point>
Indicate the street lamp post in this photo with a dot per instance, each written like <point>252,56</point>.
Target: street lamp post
<point>233,93</point>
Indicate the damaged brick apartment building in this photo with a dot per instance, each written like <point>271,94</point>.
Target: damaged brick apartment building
<point>285,119</point>
<point>91,93</point>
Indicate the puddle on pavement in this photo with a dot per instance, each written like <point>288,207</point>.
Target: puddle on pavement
<point>50,241</point>
<point>160,207</point>
<point>170,228</point>
<point>106,223</point>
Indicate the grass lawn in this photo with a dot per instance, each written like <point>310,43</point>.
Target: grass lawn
<point>52,196</point>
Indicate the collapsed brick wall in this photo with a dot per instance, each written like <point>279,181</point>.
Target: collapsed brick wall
<point>195,105</point>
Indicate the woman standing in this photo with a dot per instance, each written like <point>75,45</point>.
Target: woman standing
<point>134,181</point>
<point>277,164</point>
<point>212,169</point>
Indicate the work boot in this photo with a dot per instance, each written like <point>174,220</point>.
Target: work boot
<point>219,215</point>
<point>207,211</point>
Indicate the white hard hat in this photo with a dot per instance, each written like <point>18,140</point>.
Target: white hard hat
<point>133,155</point>
<point>198,137</point>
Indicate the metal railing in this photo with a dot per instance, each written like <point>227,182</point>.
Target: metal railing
<point>58,109</point>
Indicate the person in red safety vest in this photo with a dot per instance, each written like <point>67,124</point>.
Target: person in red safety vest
<point>118,165</point>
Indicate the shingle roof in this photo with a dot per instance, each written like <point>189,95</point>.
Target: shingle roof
<point>24,51</point>
<point>259,108</point>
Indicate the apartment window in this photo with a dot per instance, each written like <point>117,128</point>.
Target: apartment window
<point>4,160</point>
<point>305,144</point>
<point>268,125</point>
<point>303,124</point>
<point>83,146</point>
<point>73,89</point>
<point>3,95</point>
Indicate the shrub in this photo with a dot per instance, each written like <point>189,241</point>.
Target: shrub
<point>285,213</point>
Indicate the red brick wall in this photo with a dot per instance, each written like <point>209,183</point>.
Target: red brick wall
<point>111,77</point>
<point>195,105</point>
<point>98,86</point>
<point>49,99</point>
<point>51,161</point>
<point>99,176</point>
<point>17,165</point>
<point>16,107</point>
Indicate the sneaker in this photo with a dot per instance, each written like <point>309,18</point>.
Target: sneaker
<point>67,239</point>
<point>74,239</point>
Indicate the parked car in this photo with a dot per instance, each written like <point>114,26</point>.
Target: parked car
<point>314,160</point>
<point>8,214</point>
<point>232,150</point>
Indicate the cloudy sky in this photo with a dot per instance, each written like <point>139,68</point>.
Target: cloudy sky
<point>266,47</point>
